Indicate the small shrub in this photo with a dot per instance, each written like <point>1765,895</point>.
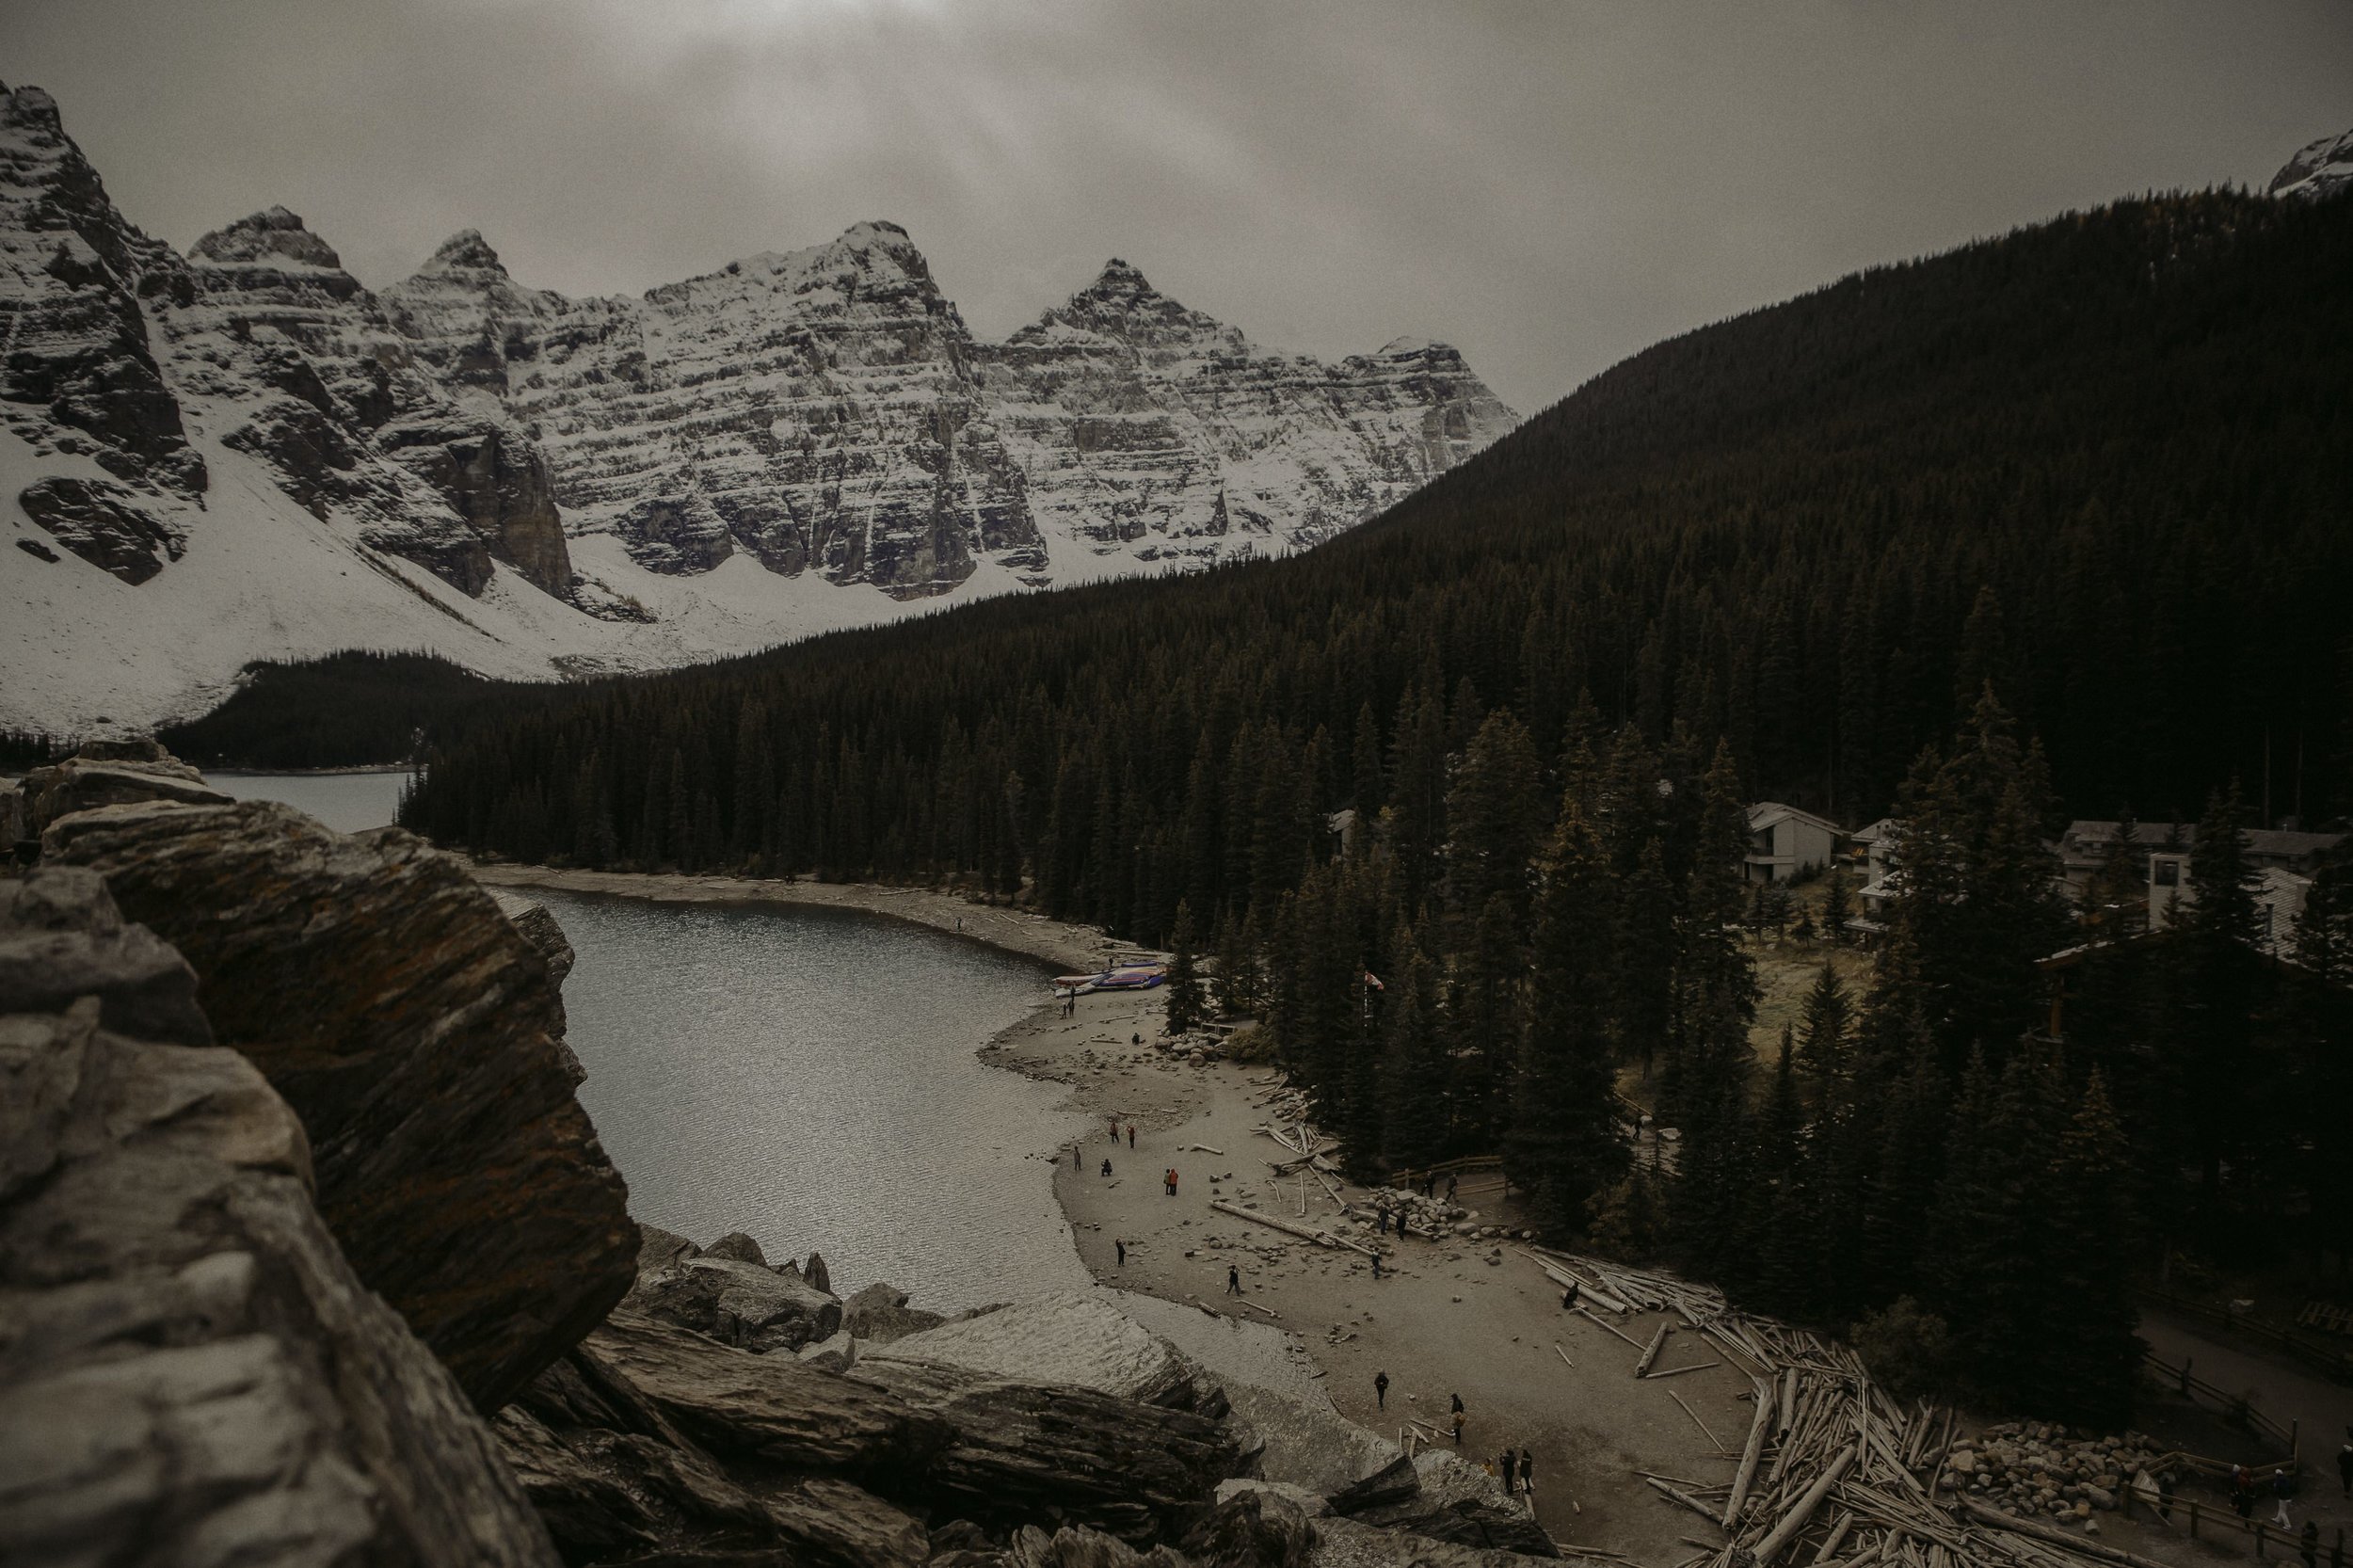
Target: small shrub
<point>1907,1347</point>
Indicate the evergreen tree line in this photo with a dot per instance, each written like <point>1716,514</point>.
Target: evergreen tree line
<point>1454,802</point>
<point>2131,427</point>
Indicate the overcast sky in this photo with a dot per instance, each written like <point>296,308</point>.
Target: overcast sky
<point>1549,184</point>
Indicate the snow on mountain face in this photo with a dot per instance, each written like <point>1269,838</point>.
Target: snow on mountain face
<point>531,484</point>
<point>2319,169</point>
<point>79,380</point>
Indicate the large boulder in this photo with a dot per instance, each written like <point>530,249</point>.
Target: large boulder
<point>414,1031</point>
<point>1461,1502</point>
<point>879,1315</point>
<point>61,938</point>
<point>1084,1340</point>
<point>190,1372</point>
<point>746,1305</point>
<point>1023,1450</point>
<point>1310,1445</point>
<point>112,773</point>
<point>1352,1544</point>
<point>616,1481</point>
<point>1253,1530</point>
<point>771,1408</point>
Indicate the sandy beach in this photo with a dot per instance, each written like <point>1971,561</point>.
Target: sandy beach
<point>1456,1315</point>
<point>1443,1319</point>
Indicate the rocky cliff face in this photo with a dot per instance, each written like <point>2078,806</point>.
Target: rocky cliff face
<point>413,1028</point>
<point>79,381</point>
<point>191,1371</point>
<point>796,441</point>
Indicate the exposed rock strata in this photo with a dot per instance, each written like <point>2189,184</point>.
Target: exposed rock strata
<point>61,938</point>
<point>111,775</point>
<point>413,1030</point>
<point>1083,1341</point>
<point>191,1373</point>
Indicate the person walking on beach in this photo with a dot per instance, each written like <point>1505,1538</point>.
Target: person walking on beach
<point>1381,1390</point>
<point>1380,1221</point>
<point>1507,1467</point>
<point>1458,1424</point>
<point>2282,1488</point>
<point>1450,1183</point>
<point>1376,1265</point>
<point>1121,1246</point>
<point>2243,1492</point>
<point>1528,1473</point>
<point>1131,1135</point>
<point>1115,1129</point>
<point>1233,1280</point>
<point>1172,1181</point>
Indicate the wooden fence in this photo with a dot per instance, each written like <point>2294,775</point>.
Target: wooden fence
<point>2332,1363</point>
<point>2208,1523</point>
<point>2235,1408</point>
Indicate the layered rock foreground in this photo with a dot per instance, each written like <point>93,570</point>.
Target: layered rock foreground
<point>417,1034</point>
<point>191,1371</point>
<point>308,1256</point>
<point>530,483</point>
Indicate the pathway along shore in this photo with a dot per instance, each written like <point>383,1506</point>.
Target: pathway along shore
<point>1456,1315</point>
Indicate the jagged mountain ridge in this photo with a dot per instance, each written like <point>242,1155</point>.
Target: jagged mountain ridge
<point>244,453</point>
<point>828,410</point>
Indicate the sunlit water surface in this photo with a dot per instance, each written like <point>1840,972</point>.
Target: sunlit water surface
<point>806,1075</point>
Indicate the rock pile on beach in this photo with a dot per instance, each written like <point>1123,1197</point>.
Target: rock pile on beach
<point>2036,1468</point>
<point>1432,1216</point>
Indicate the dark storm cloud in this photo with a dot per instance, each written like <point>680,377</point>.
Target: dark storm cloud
<point>1550,186</point>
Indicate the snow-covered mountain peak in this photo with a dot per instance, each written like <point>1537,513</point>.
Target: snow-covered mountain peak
<point>29,106</point>
<point>796,441</point>
<point>2317,169</point>
<point>1122,305</point>
<point>276,236</point>
<point>464,252</point>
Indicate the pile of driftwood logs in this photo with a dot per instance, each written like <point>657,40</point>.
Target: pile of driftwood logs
<point>1833,1473</point>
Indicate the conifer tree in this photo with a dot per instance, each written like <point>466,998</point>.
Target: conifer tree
<point>1822,1050</point>
<point>1186,1003</point>
<point>1716,1000</point>
<point>2211,992</point>
<point>1564,1146</point>
<point>1979,906</point>
<point>1415,1088</point>
<point>2085,1347</point>
<point>1648,955</point>
<point>1781,1263</point>
<point>1838,908</point>
<point>2116,899</point>
<point>1494,818</point>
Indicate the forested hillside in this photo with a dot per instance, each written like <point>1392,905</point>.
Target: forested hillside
<point>2061,519</point>
<point>2131,424</point>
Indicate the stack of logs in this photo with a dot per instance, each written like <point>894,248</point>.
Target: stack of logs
<point>1834,1474</point>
